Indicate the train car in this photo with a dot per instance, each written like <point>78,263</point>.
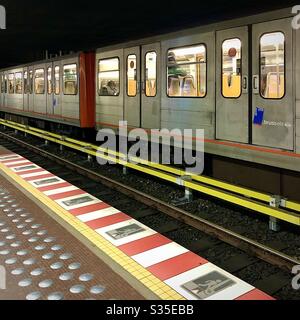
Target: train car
<point>52,92</point>
<point>236,79</point>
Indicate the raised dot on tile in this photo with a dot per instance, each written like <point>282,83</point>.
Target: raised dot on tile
<point>29,220</point>
<point>11,237</point>
<point>4,252</point>
<point>49,239</point>
<point>74,266</point>
<point>21,226</point>
<point>34,239</point>
<point>97,289</point>
<point>16,220</point>
<point>25,283</point>
<point>48,256</point>
<point>86,277</point>
<point>4,230</point>
<point>29,262</point>
<point>11,261</point>
<point>34,296</point>
<point>56,247</point>
<point>22,252</point>
<point>17,272</point>
<point>2,243</point>
<point>46,283</point>
<point>36,226</point>
<point>77,288</point>
<point>56,265</point>
<point>55,296</point>
<point>42,232</point>
<point>16,244</point>
<point>24,215</point>
<point>66,276</point>
<point>27,232</point>
<point>65,256</point>
<point>40,247</point>
<point>37,272</point>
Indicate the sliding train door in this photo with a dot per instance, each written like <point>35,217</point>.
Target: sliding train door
<point>142,79</point>
<point>132,107</point>
<point>272,98</point>
<point>232,93</point>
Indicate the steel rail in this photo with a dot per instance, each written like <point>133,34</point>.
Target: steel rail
<point>245,244</point>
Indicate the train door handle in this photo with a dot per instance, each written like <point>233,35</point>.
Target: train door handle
<point>143,86</point>
<point>256,84</point>
<point>245,84</point>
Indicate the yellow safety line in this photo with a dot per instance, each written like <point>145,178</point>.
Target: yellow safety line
<point>154,284</point>
<point>204,184</point>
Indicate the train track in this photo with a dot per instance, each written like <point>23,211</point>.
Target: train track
<point>151,210</point>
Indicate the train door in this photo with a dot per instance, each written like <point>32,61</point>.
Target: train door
<point>142,97</point>
<point>25,90</point>
<point>30,89</point>
<point>232,96</point>
<point>150,93</point>
<point>132,110</point>
<point>272,98</point>
<point>57,89</point>
<point>49,88</point>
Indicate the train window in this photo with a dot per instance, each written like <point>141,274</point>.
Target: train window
<point>39,81</point>
<point>11,83</point>
<point>49,78</point>
<point>26,82</point>
<point>30,81</point>
<point>70,79</point>
<point>131,76</point>
<point>109,77</point>
<point>150,74</point>
<point>272,65</point>
<point>57,80</point>
<point>19,83</point>
<point>232,68</point>
<point>187,71</point>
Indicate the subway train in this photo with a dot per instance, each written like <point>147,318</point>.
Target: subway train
<point>239,80</point>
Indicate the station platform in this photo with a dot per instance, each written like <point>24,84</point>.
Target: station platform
<point>57,241</point>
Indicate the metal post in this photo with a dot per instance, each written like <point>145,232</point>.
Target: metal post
<point>125,170</point>
<point>46,143</point>
<point>274,224</point>
<point>188,194</point>
<point>89,158</point>
<point>61,147</point>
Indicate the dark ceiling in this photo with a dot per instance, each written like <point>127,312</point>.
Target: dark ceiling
<point>35,26</point>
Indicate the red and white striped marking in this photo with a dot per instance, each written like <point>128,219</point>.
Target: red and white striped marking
<point>187,273</point>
